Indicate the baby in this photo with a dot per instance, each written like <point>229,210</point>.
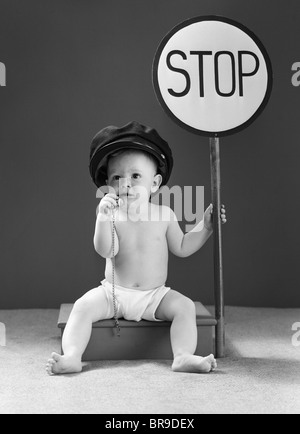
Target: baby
<point>134,161</point>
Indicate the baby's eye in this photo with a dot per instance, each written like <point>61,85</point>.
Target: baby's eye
<point>136,176</point>
<point>116,178</point>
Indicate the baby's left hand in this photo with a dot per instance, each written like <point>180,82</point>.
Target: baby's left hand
<point>208,217</point>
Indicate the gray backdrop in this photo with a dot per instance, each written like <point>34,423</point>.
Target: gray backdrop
<point>75,66</point>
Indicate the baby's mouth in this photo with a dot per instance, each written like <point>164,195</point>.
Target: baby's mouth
<point>127,197</point>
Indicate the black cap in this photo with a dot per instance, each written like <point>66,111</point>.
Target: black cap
<point>131,136</point>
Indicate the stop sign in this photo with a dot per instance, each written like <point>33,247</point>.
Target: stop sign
<point>212,75</point>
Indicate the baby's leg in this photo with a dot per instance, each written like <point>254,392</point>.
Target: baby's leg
<point>181,311</point>
<point>88,309</point>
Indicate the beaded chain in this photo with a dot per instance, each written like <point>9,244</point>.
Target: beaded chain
<point>117,324</point>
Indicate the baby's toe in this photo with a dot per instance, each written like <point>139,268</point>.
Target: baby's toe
<point>211,359</point>
<point>49,367</point>
<point>51,363</point>
<point>214,365</point>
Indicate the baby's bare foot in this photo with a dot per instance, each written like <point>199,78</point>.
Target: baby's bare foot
<point>194,364</point>
<point>63,365</point>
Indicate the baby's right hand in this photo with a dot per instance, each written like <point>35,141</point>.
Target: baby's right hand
<point>108,203</point>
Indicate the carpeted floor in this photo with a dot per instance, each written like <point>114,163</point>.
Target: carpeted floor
<point>260,374</point>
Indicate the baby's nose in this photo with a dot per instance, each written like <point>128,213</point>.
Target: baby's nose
<point>125,183</point>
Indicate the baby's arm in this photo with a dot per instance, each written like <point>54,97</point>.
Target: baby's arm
<point>185,245</point>
<point>104,228</point>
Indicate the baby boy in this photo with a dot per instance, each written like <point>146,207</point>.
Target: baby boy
<point>134,161</point>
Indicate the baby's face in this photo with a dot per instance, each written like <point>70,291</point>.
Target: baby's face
<point>133,176</point>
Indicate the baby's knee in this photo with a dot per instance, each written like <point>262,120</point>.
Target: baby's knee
<point>83,305</point>
<point>187,307</point>
<point>93,305</point>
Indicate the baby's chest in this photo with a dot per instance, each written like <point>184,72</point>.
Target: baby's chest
<point>141,235</point>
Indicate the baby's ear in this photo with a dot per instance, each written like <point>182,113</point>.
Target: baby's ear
<point>157,180</point>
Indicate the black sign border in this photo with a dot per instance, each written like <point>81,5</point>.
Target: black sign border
<point>234,23</point>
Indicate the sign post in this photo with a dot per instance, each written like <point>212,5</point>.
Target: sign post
<point>218,259</point>
<point>213,77</point>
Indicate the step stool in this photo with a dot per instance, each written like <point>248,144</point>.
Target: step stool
<point>140,340</point>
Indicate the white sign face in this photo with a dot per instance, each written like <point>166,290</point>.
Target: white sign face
<point>212,75</point>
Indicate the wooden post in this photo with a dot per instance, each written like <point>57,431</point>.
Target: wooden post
<point>218,262</point>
